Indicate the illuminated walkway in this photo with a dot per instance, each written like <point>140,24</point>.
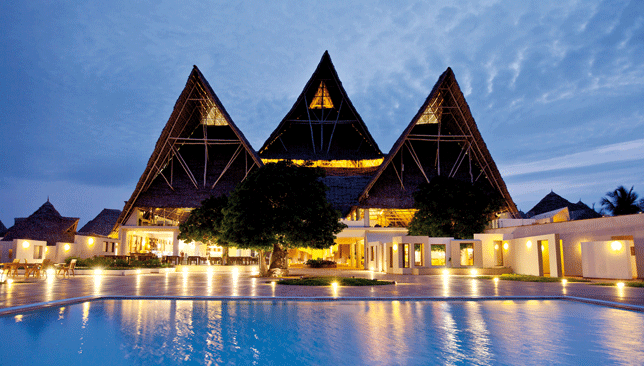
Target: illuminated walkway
<point>229,281</point>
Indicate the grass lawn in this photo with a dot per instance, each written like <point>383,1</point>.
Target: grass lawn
<point>328,281</point>
<point>528,278</point>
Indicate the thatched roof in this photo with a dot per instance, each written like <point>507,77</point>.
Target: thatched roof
<point>441,139</point>
<point>102,224</point>
<point>3,229</point>
<point>322,124</point>
<point>553,201</point>
<point>46,224</point>
<point>200,153</point>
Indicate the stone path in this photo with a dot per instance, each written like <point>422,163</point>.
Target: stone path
<point>241,281</point>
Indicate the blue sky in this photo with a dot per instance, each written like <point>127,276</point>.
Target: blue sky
<point>556,88</point>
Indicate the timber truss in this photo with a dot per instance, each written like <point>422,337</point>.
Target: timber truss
<point>443,140</point>
<point>196,142</point>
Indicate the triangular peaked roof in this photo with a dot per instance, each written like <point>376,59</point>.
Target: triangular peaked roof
<point>553,201</point>
<point>322,124</point>
<point>102,224</point>
<point>44,224</point>
<point>200,153</point>
<point>441,139</point>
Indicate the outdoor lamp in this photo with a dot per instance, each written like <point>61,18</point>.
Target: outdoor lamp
<point>616,246</point>
<point>25,244</point>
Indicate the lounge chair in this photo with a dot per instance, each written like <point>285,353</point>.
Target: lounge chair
<point>67,270</point>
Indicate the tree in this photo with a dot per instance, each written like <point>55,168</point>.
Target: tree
<point>449,207</point>
<point>621,202</point>
<point>281,206</point>
<point>204,224</point>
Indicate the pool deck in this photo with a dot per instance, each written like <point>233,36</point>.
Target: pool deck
<point>242,282</point>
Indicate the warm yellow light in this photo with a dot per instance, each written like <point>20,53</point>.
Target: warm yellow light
<point>505,246</point>
<point>335,285</point>
<point>90,241</point>
<point>445,272</point>
<point>50,272</point>
<point>616,246</point>
<point>528,244</point>
<point>564,282</point>
<point>273,283</point>
<point>364,163</point>
<point>46,249</point>
<point>496,279</point>
<point>474,272</point>
<point>620,284</point>
<point>66,247</point>
<point>322,99</point>
<point>542,248</point>
<point>25,244</point>
<point>185,270</point>
<point>496,246</point>
<point>98,272</point>
<point>138,271</point>
<point>395,247</point>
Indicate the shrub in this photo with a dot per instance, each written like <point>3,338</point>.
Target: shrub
<point>321,263</point>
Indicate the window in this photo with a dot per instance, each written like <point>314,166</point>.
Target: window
<point>372,254</point>
<point>467,254</point>
<point>38,249</point>
<point>438,254</point>
<point>322,98</point>
<point>405,256</point>
<point>418,255</point>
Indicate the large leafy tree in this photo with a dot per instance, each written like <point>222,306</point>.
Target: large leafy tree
<point>449,207</point>
<point>281,206</point>
<point>621,202</point>
<point>204,223</point>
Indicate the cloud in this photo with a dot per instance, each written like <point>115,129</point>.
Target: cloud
<point>620,152</point>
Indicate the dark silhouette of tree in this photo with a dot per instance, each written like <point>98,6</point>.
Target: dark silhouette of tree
<point>281,206</point>
<point>621,202</point>
<point>449,207</point>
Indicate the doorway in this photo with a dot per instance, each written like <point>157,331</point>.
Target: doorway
<point>545,257</point>
<point>498,253</point>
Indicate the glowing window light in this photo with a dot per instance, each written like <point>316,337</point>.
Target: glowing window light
<point>322,99</point>
<point>25,244</point>
<point>506,246</point>
<point>66,247</point>
<point>620,284</point>
<point>528,244</point>
<point>616,246</point>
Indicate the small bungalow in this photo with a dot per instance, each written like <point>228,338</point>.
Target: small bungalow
<point>38,236</point>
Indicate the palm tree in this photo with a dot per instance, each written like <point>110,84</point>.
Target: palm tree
<point>621,202</point>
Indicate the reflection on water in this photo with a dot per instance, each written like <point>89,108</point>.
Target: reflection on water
<point>350,332</point>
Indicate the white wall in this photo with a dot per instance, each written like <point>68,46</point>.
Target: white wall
<point>607,259</point>
<point>573,233</point>
<point>487,249</point>
<point>23,249</point>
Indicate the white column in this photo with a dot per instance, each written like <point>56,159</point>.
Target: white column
<point>175,243</point>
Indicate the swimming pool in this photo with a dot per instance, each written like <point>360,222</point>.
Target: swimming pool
<point>127,332</point>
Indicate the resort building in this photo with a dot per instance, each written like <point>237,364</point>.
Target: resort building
<point>201,153</point>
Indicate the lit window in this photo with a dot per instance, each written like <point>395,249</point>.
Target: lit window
<point>438,254</point>
<point>322,100</point>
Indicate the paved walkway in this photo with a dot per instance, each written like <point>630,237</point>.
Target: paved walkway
<point>241,281</point>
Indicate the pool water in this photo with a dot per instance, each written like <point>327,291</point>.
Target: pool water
<point>150,332</point>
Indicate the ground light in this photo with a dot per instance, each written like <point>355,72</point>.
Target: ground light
<point>620,284</point>
<point>474,272</point>
<point>445,272</point>
<point>496,280</point>
<point>98,271</point>
<point>564,282</point>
